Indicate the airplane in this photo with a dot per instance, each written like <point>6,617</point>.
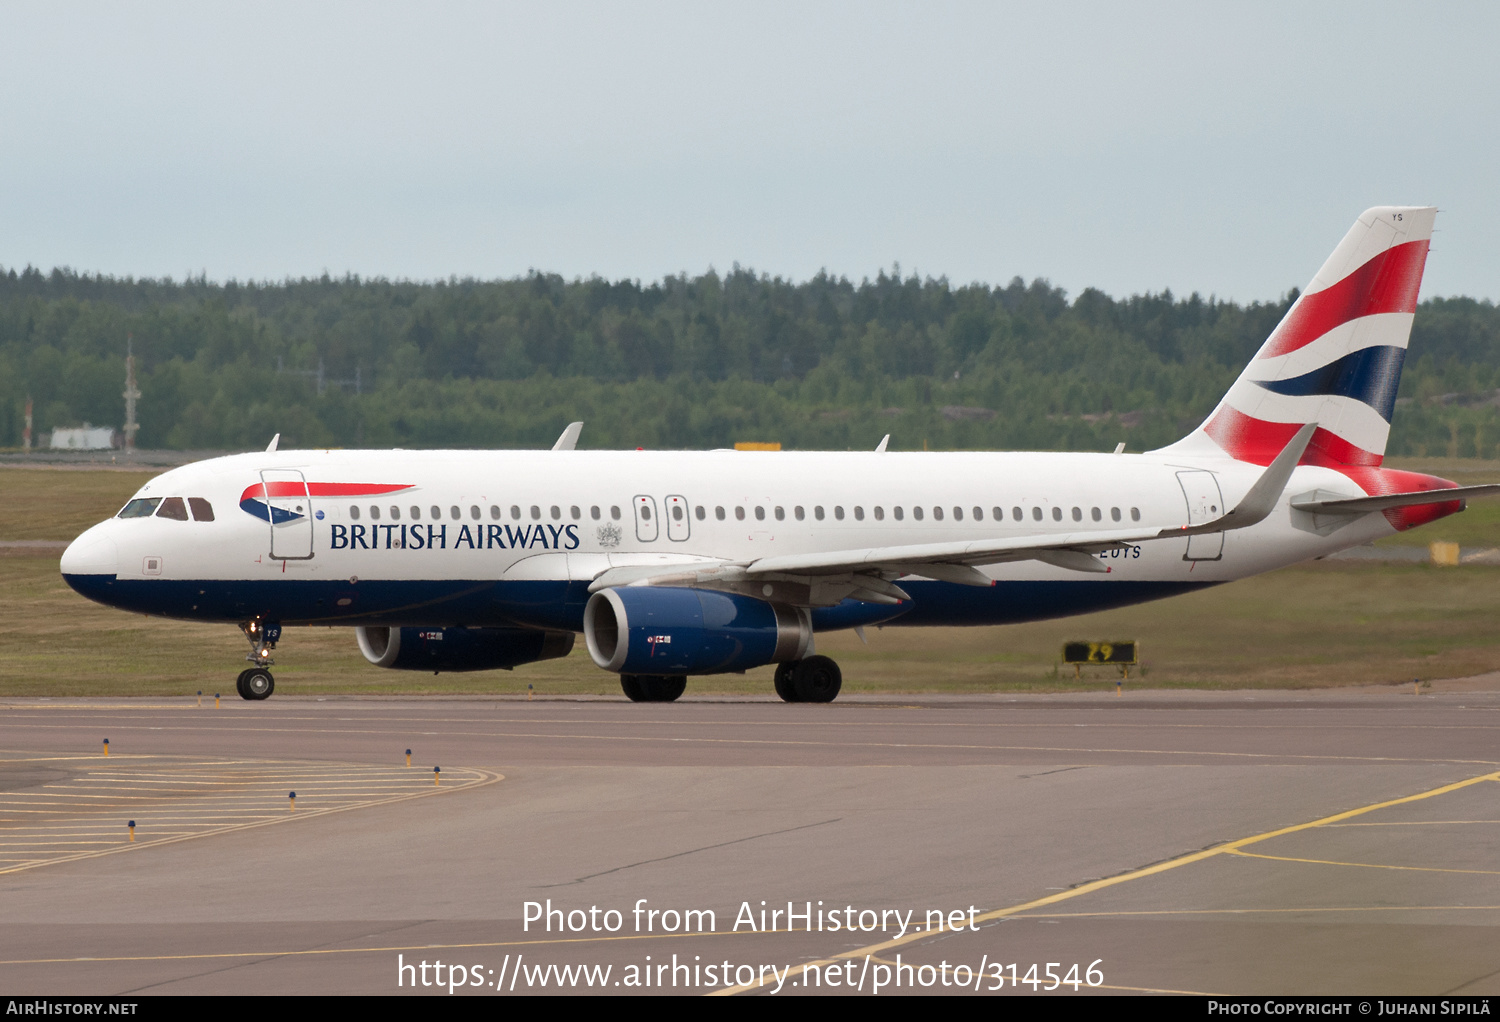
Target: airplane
<point>673,564</point>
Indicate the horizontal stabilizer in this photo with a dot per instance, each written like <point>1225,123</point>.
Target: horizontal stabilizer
<point>1317,504</point>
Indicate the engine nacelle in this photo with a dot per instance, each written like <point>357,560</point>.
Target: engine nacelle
<point>460,649</point>
<point>667,630</point>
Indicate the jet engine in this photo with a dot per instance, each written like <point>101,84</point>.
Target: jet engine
<point>655,630</point>
<point>460,649</point>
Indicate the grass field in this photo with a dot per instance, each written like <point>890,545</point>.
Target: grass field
<point>1329,623</point>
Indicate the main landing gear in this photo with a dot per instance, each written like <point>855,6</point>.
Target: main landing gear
<point>256,682</point>
<point>814,680</point>
<point>650,688</point>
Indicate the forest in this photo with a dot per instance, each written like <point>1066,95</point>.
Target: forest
<point>684,362</point>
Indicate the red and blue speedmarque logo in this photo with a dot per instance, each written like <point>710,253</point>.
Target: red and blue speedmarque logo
<point>257,498</point>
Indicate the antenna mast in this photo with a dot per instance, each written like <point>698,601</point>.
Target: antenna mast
<point>132,392</point>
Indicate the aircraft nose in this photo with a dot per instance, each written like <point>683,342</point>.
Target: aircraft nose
<point>90,555</point>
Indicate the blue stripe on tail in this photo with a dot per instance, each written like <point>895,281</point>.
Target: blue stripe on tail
<point>1370,375</point>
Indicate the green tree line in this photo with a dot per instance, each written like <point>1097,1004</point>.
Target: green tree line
<point>682,362</point>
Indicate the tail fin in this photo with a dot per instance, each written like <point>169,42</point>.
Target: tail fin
<point>1336,358</point>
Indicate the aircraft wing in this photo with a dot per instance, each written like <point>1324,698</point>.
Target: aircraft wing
<point>823,578</point>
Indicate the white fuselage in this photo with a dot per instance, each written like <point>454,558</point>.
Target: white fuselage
<point>516,519</point>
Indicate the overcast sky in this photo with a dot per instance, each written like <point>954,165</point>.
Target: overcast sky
<point>1123,146</point>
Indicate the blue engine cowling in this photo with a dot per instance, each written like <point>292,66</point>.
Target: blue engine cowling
<point>667,630</point>
<point>460,649</point>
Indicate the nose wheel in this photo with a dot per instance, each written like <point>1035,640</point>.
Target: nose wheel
<point>255,683</point>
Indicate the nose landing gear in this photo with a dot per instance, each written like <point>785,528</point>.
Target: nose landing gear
<point>257,682</point>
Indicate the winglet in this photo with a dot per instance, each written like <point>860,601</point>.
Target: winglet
<point>569,439</point>
<point>880,447</point>
<point>274,441</point>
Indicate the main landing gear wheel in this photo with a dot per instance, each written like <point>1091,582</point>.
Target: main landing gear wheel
<point>816,680</point>
<point>784,687</point>
<point>646,688</point>
<point>255,683</point>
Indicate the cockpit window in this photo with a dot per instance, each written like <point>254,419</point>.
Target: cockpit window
<point>141,507</point>
<point>203,511</point>
<point>173,508</point>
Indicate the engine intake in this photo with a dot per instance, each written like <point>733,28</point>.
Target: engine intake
<point>668,630</point>
<point>460,649</point>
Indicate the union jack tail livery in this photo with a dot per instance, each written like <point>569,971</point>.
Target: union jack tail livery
<point>1336,358</point>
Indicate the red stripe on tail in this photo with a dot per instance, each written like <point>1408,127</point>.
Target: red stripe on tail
<point>1387,283</point>
<point>1254,440</point>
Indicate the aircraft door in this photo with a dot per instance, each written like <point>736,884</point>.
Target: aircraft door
<point>290,505</point>
<point>678,520</point>
<point>646,526</point>
<point>1204,504</point>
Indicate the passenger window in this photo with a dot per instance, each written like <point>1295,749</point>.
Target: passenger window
<point>1057,514</point>
<point>780,514</point>
<point>676,512</point>
<point>879,513</point>
<point>354,512</point>
<point>555,511</point>
<point>374,512</point>
<point>1036,514</point>
<point>1015,513</point>
<point>645,510</point>
<point>495,512</point>
<point>739,514</point>
<point>916,512</point>
<point>141,507</point>
<point>173,508</point>
<point>416,513</point>
<point>760,514</point>
<point>898,512</point>
<point>594,512</point>
<point>937,514</point>
<point>801,514</point>
<point>395,513</point>
<point>437,513</point>
<point>859,513</point>
<point>979,514</point>
<point>1135,514</point>
<point>838,512</point>
<point>818,512</point>
<point>999,513</point>
<point>453,513</point>
<point>203,511</point>
<point>1096,514</point>
<point>474,512</point>
<point>614,512</point>
<point>1114,513</point>
<point>515,512</point>
<point>958,514</point>
<point>1078,514</point>
<point>719,513</point>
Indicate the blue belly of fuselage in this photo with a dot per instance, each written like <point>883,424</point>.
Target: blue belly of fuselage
<point>559,604</point>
